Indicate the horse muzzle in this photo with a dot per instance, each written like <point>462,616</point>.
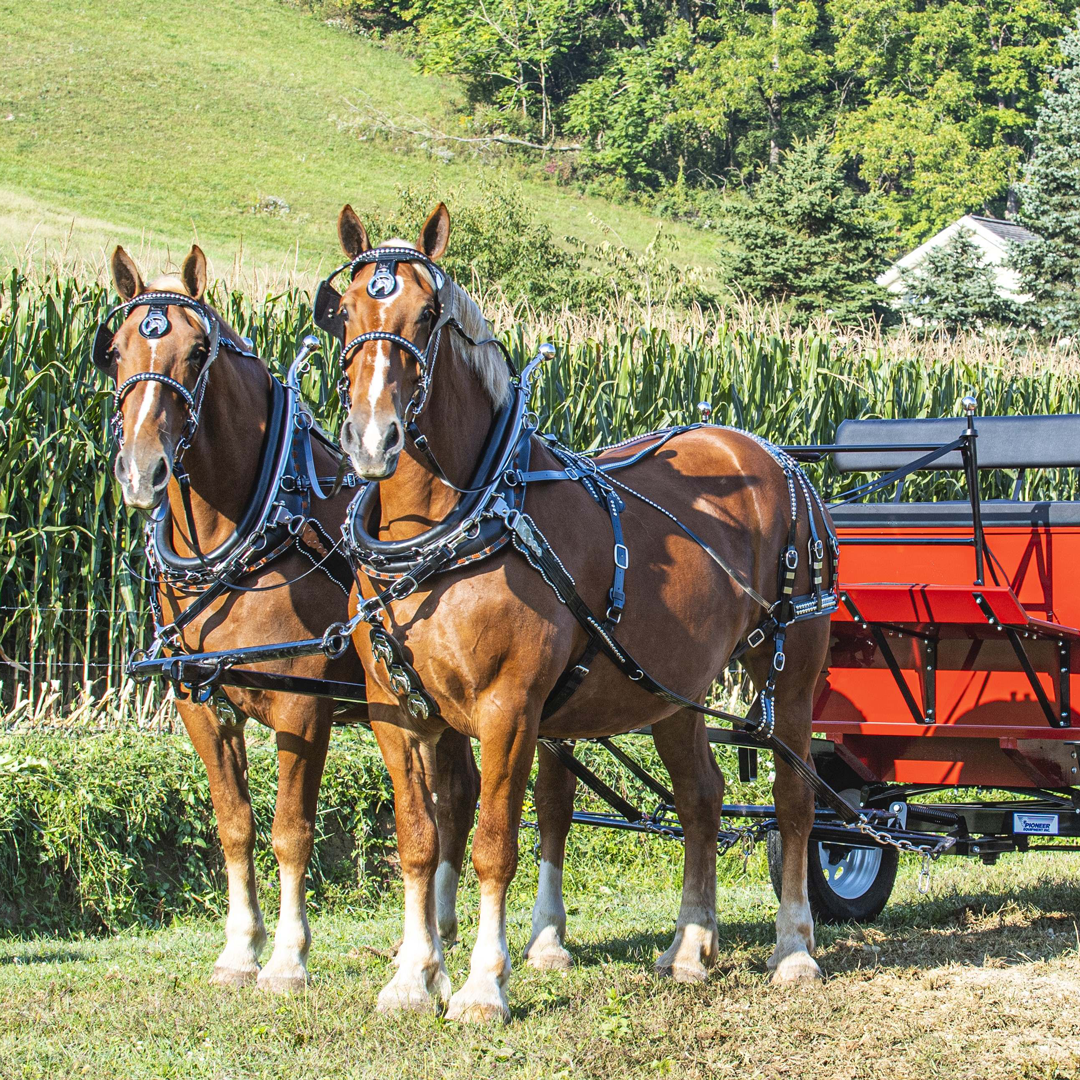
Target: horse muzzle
<point>143,477</point>
<point>375,450</point>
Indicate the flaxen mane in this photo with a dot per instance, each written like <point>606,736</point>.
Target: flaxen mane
<point>486,361</point>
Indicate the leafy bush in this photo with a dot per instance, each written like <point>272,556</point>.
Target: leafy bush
<point>110,831</point>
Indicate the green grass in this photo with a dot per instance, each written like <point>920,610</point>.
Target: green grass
<point>158,124</point>
<point>979,979</point>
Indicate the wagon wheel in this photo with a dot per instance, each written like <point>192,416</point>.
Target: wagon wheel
<point>844,884</point>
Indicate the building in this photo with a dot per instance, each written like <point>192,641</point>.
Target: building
<point>993,236</point>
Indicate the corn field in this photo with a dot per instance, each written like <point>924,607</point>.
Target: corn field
<point>70,608</point>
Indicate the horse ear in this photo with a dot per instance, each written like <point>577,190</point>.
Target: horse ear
<point>125,275</point>
<point>193,272</point>
<point>351,233</point>
<point>435,233</point>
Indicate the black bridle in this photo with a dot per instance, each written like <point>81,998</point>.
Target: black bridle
<point>328,316</point>
<point>156,325</point>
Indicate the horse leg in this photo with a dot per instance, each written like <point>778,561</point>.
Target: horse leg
<point>302,730</point>
<point>791,960</point>
<point>458,790</point>
<point>507,745</point>
<point>221,747</point>
<point>421,982</point>
<point>554,797</point>
<point>698,785</point>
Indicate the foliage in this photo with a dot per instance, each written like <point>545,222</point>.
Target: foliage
<point>954,289</point>
<point>1049,265</point>
<point>938,98</point>
<point>931,98</point>
<point>807,238</point>
<point>110,831</point>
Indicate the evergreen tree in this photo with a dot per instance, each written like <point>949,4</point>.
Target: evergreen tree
<point>806,238</point>
<point>1049,266</point>
<point>954,289</point>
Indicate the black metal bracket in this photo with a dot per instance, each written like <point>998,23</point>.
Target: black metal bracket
<point>747,764</point>
<point>885,648</point>
<point>1064,673</point>
<point>929,677</point>
<point>1057,716</point>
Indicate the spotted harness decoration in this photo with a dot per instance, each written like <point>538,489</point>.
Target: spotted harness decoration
<point>491,515</point>
<point>278,515</point>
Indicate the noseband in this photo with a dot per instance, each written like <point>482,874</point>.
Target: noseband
<point>328,316</point>
<point>154,326</point>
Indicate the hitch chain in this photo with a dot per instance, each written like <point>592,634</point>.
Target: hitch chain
<point>928,856</point>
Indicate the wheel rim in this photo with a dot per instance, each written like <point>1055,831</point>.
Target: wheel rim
<point>854,874</point>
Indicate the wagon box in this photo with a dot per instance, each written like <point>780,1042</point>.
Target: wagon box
<point>943,678</point>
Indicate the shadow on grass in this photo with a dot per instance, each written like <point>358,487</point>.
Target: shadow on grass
<point>1029,923</point>
<point>50,956</point>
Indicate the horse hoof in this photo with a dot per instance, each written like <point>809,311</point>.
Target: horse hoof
<point>233,978</point>
<point>448,935</point>
<point>281,984</point>
<point>484,1007</point>
<point>553,958</point>
<point>682,972</point>
<point>394,999</point>
<point>798,967</point>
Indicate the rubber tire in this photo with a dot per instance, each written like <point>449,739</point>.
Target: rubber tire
<point>826,905</point>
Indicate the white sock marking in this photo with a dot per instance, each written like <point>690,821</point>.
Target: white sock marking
<point>446,887</point>
<point>548,911</point>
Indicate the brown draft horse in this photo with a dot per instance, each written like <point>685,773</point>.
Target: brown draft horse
<point>222,462</point>
<point>490,641</point>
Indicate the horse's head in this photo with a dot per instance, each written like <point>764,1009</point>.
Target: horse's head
<point>399,298</point>
<point>171,342</point>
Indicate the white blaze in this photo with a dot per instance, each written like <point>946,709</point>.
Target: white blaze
<point>373,435</point>
<point>146,407</point>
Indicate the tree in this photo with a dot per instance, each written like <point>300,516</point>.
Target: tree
<point>1049,265</point>
<point>807,239</point>
<point>937,97</point>
<point>954,289</point>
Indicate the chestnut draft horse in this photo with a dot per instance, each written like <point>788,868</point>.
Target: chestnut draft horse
<point>469,637</point>
<point>189,388</point>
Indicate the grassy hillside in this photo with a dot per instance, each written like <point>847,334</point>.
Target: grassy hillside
<point>154,125</point>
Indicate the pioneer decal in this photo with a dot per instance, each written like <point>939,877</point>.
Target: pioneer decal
<point>1035,824</point>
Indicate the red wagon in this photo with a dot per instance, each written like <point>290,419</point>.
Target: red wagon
<point>956,647</point>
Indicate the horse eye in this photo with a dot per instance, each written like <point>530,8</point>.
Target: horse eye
<point>429,315</point>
